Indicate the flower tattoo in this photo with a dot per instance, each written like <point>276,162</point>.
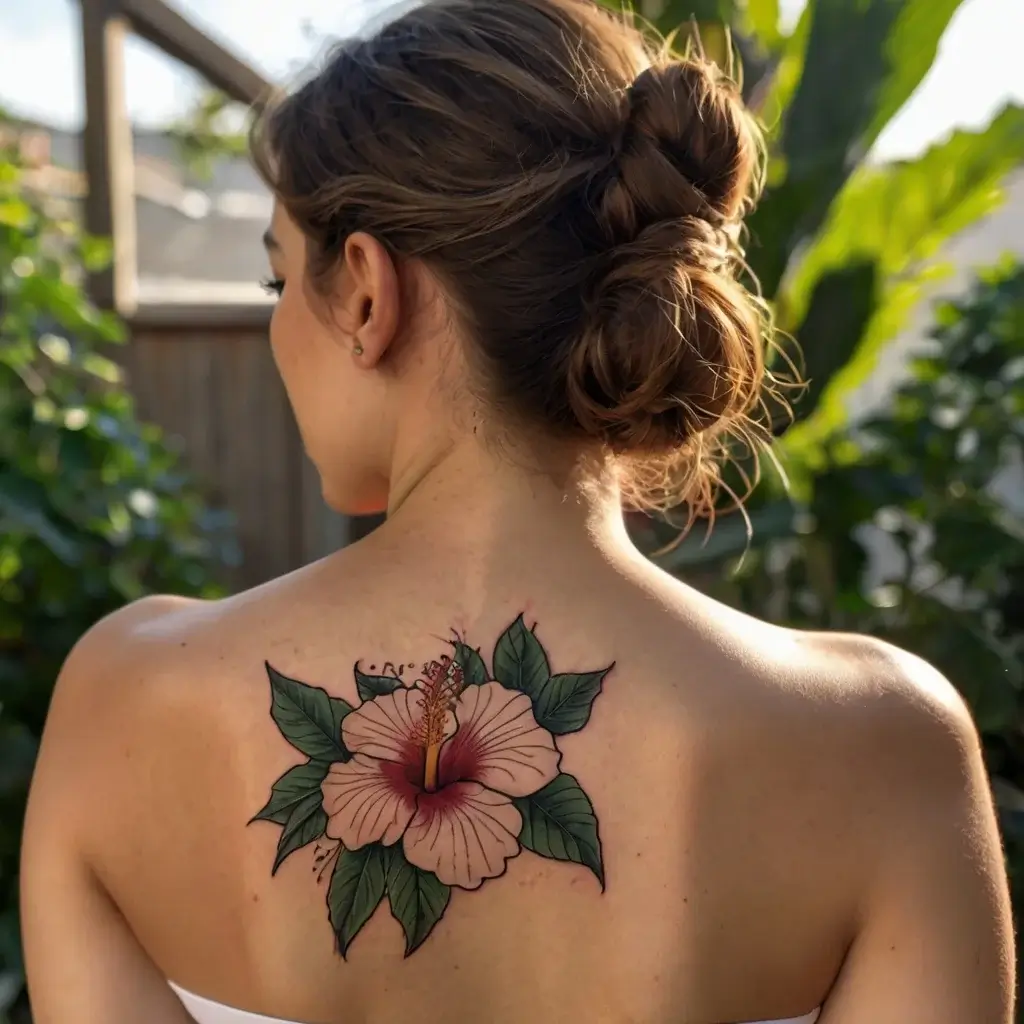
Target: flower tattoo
<point>433,784</point>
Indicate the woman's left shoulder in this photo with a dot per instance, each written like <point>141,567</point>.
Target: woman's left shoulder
<point>907,720</point>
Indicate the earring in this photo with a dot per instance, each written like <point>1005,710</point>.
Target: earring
<point>357,349</point>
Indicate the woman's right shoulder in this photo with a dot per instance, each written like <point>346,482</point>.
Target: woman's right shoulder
<point>125,640</point>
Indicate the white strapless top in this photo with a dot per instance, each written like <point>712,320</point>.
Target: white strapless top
<point>205,1011</point>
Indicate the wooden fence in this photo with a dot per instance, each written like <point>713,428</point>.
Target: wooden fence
<point>213,385</point>
<point>204,374</point>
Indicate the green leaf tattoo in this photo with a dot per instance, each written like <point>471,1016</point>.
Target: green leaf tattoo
<point>308,718</point>
<point>306,824</point>
<point>390,815</point>
<point>369,687</point>
<point>357,887</point>
<point>519,660</point>
<point>474,670</point>
<point>564,702</point>
<point>296,785</point>
<point>418,899</point>
<point>559,822</point>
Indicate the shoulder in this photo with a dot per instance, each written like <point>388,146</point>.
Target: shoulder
<point>121,650</point>
<point>874,729</point>
<point>892,693</point>
<point>127,673</point>
<point>906,737</point>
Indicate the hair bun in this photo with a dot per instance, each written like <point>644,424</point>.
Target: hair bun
<point>673,345</point>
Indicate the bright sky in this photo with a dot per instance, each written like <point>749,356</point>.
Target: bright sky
<point>980,65</point>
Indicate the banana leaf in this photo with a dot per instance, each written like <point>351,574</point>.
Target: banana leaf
<point>846,70</point>
<point>894,219</point>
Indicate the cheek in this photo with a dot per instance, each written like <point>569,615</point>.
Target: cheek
<point>287,329</point>
<point>339,412</point>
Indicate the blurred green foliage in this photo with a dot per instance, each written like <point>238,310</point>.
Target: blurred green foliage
<point>94,509</point>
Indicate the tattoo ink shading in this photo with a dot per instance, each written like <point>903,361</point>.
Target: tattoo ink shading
<point>433,784</point>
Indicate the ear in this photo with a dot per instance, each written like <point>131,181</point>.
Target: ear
<point>374,297</point>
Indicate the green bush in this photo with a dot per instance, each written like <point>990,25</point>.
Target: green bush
<point>94,508</point>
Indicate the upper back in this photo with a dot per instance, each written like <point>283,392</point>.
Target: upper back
<point>656,797</point>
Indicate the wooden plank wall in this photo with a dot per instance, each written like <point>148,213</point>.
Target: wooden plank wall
<point>216,390</point>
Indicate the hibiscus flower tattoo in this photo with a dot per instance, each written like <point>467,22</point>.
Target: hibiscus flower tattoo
<point>434,781</point>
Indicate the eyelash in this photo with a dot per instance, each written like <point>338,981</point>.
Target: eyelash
<point>272,286</point>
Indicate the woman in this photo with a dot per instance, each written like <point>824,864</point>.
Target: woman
<point>510,770</point>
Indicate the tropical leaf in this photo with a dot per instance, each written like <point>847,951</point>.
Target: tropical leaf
<point>559,822</point>
<point>474,668</point>
<point>519,660</point>
<point>667,17</point>
<point>855,65</point>
<point>844,301</point>
<point>900,214</point>
<point>356,889</point>
<point>564,702</point>
<point>308,717</point>
<point>896,217</point>
<point>675,13</point>
<point>761,19</point>
<point>305,825</point>
<point>418,898</point>
<point>370,686</point>
<point>295,786</point>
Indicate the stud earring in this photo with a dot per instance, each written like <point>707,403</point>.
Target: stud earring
<point>357,349</point>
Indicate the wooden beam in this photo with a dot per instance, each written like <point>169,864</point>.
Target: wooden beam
<point>196,317</point>
<point>158,24</point>
<point>107,153</point>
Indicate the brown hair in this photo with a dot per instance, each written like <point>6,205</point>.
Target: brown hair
<point>578,190</point>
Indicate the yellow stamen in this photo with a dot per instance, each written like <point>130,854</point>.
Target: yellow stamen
<point>430,767</point>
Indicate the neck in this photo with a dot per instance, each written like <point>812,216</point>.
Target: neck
<point>477,496</point>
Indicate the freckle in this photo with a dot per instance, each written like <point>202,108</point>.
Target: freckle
<point>255,897</point>
<point>685,899</point>
<point>639,854</point>
<point>184,643</point>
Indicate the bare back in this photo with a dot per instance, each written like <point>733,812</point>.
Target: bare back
<point>737,775</point>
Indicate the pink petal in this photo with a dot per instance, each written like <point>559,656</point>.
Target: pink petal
<point>387,726</point>
<point>499,743</point>
<point>366,801</point>
<point>463,833</point>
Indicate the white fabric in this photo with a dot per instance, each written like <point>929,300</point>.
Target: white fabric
<point>205,1011</point>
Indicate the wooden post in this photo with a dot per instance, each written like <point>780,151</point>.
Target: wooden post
<point>107,154</point>
<point>161,25</point>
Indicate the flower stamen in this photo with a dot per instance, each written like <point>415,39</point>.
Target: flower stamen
<point>443,683</point>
